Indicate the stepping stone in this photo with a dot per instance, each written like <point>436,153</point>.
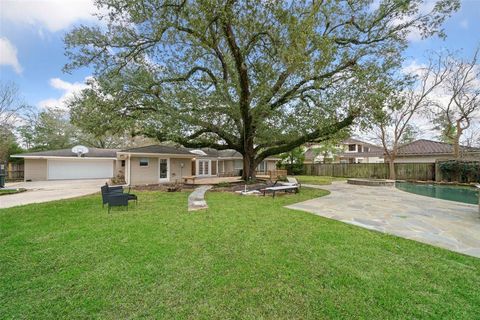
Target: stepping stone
<point>196,199</point>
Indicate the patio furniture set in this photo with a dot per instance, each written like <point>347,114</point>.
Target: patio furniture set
<point>116,196</point>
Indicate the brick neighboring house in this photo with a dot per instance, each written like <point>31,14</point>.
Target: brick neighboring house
<point>348,151</point>
<point>429,151</point>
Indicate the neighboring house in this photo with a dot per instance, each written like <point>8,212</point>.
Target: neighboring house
<point>348,151</point>
<point>143,165</point>
<point>428,151</point>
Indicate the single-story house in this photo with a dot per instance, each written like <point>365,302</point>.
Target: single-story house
<point>143,165</point>
<point>428,151</point>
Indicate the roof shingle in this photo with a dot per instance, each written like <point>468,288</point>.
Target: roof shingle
<point>163,149</point>
<point>430,147</point>
<point>92,153</point>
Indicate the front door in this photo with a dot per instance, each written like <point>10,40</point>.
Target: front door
<point>203,167</point>
<point>164,170</point>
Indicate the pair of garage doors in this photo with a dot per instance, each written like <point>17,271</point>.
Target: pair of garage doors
<point>79,169</point>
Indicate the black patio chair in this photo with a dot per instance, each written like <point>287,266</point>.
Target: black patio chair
<point>106,190</point>
<point>117,200</point>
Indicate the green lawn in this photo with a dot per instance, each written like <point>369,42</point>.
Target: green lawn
<point>10,191</point>
<point>245,257</point>
<point>318,179</point>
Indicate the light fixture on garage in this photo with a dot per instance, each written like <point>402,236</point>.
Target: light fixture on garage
<point>80,150</point>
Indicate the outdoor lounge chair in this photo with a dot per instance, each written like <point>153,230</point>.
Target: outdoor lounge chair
<point>291,182</point>
<point>107,191</point>
<point>284,188</point>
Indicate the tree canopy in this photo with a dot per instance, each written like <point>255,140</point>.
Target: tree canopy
<point>260,77</point>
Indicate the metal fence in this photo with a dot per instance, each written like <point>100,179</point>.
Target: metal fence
<point>404,171</point>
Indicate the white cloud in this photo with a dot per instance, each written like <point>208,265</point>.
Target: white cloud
<point>413,67</point>
<point>414,34</point>
<point>54,15</point>
<point>8,55</point>
<point>69,89</point>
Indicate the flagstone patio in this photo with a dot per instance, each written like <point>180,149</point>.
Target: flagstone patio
<point>447,224</point>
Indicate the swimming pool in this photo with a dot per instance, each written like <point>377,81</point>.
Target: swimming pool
<point>446,192</point>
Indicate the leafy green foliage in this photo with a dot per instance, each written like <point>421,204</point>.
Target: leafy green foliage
<point>293,161</point>
<point>48,130</point>
<point>447,129</point>
<point>461,171</point>
<point>260,77</point>
<point>410,134</point>
<point>8,145</point>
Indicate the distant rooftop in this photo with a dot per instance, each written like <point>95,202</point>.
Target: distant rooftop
<point>426,147</point>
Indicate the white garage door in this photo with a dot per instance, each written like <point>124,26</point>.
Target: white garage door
<point>79,169</point>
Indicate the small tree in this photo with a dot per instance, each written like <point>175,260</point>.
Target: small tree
<point>394,121</point>
<point>47,130</point>
<point>462,89</point>
<point>8,145</point>
<point>11,109</point>
<point>292,161</point>
<point>10,104</point>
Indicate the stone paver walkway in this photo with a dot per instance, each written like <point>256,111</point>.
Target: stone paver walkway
<point>446,224</point>
<point>196,199</point>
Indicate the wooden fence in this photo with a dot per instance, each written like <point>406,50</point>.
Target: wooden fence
<point>15,171</point>
<point>404,171</point>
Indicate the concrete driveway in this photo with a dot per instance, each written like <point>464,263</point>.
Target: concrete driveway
<point>446,224</point>
<point>44,191</point>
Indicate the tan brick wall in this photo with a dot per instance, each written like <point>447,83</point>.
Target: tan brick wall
<point>143,175</point>
<point>35,169</point>
<point>176,171</point>
<point>229,166</point>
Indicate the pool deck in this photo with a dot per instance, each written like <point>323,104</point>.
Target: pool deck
<point>447,224</point>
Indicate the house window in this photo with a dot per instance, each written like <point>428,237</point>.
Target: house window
<point>351,147</point>
<point>163,169</point>
<point>262,166</point>
<point>143,162</point>
<point>203,167</point>
<point>366,149</point>
<point>123,163</point>
<point>359,148</point>
<point>238,164</point>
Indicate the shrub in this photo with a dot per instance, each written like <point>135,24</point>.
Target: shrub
<point>223,184</point>
<point>461,171</point>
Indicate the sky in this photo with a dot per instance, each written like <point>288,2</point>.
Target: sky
<point>32,48</point>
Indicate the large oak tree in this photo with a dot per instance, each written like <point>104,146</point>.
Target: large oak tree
<point>260,77</point>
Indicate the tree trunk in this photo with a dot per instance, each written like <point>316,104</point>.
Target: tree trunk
<point>391,166</point>
<point>456,141</point>
<point>249,166</point>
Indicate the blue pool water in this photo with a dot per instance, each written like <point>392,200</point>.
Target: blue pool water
<point>446,192</point>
